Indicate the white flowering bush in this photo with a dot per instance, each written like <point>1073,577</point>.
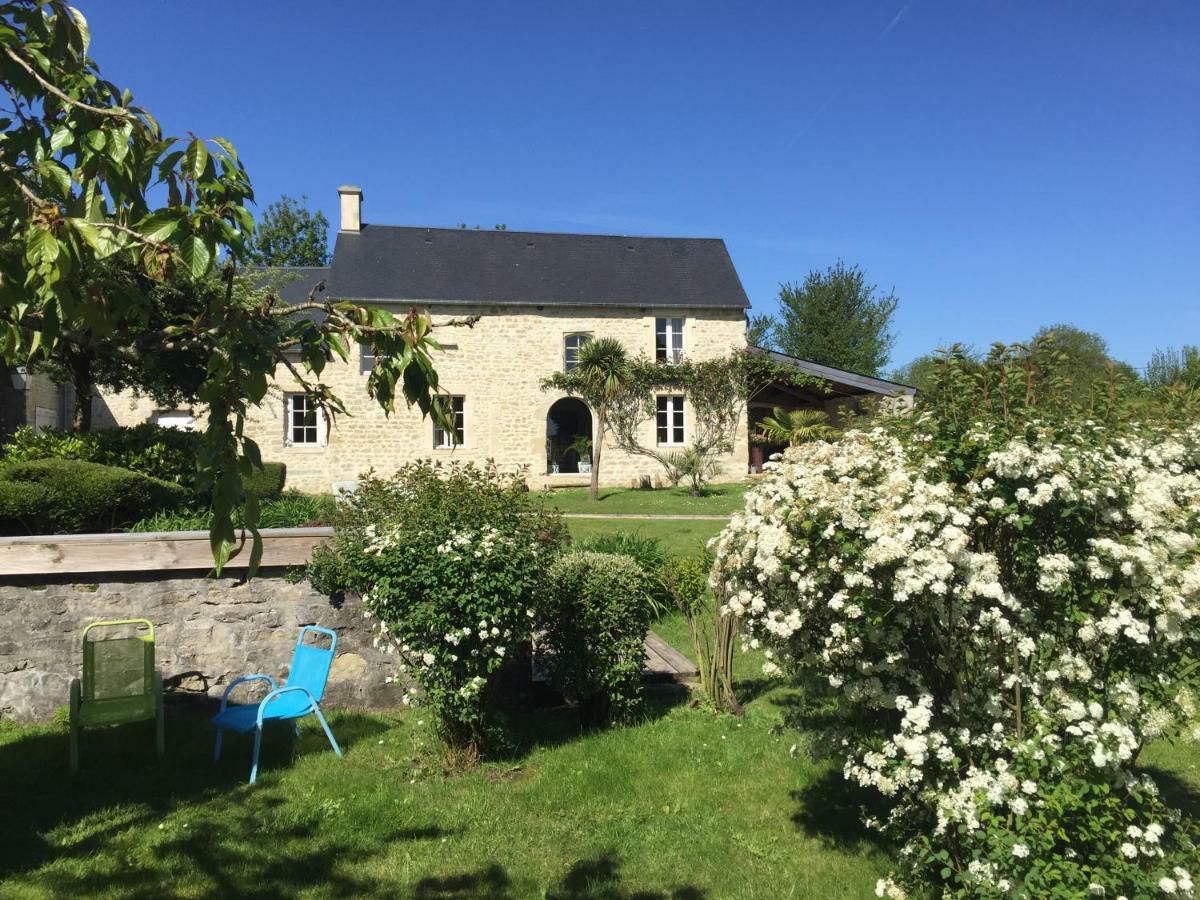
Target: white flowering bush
<point>450,561</point>
<point>1006,613</point>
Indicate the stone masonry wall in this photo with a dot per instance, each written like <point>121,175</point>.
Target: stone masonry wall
<point>207,632</point>
<point>497,367</point>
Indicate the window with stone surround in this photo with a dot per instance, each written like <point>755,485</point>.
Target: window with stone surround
<point>444,439</point>
<point>572,344</point>
<point>670,419</point>
<point>668,339</point>
<point>305,425</point>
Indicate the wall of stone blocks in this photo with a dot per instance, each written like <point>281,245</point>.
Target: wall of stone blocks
<point>208,632</point>
<point>497,366</point>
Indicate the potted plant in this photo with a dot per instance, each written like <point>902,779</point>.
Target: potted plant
<point>582,446</point>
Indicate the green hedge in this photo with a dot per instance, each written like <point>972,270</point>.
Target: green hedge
<point>594,626</point>
<point>168,454</point>
<point>267,483</point>
<point>66,496</point>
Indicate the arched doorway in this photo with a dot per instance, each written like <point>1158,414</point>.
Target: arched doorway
<point>568,437</point>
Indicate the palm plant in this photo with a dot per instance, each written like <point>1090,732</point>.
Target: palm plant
<point>602,377</point>
<point>797,426</point>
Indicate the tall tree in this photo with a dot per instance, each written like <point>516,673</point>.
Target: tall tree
<point>836,318</point>
<point>1085,361</point>
<point>1170,366</point>
<point>79,166</point>
<point>760,331</point>
<point>288,234</point>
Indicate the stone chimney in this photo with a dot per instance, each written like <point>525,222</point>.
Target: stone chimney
<point>351,203</point>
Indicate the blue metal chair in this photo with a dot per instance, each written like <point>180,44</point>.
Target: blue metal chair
<point>300,696</point>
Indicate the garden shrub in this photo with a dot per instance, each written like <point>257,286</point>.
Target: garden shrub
<point>645,550</point>
<point>711,628</point>
<point>266,483</point>
<point>593,633</point>
<point>168,454</point>
<point>291,509</point>
<point>77,496</point>
<point>1006,611</point>
<point>451,561</point>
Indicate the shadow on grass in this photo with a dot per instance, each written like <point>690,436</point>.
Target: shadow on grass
<point>1175,791</point>
<point>831,809</point>
<point>549,726</point>
<point>587,879</point>
<point>123,790</point>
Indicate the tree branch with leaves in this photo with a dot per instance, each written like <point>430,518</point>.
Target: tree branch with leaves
<point>80,165</point>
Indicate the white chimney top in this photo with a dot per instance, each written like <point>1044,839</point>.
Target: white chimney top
<point>351,201</point>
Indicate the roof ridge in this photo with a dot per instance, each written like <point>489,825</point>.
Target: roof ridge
<point>515,231</point>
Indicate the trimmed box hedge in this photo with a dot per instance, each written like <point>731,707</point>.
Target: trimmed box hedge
<point>67,496</point>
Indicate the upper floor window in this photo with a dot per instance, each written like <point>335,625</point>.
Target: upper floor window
<point>305,422</point>
<point>367,358</point>
<point>668,339</point>
<point>670,419</point>
<point>572,344</point>
<point>444,439</point>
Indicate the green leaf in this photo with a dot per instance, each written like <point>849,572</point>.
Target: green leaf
<point>159,225</point>
<point>95,139</point>
<point>62,137</point>
<point>196,256</point>
<point>41,246</point>
<point>226,146</point>
<point>85,33</point>
<point>195,159</point>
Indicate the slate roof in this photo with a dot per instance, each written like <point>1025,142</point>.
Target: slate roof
<point>852,382</point>
<point>458,265</point>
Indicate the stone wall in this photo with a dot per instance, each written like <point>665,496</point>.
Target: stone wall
<point>207,631</point>
<point>497,367</point>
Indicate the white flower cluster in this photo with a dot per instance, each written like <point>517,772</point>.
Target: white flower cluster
<point>991,625</point>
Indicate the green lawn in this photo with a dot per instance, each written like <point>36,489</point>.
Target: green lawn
<point>718,500</point>
<point>683,805</point>
<point>678,537</point>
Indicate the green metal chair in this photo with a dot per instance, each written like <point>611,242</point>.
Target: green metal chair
<point>120,683</point>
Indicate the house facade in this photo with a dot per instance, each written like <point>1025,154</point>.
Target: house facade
<point>538,298</point>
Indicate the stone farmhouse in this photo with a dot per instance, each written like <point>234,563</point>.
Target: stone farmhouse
<point>539,297</point>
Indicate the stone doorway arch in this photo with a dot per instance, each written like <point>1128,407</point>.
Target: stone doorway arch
<point>568,437</point>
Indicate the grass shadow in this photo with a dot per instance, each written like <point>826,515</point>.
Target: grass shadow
<point>1177,792</point>
<point>600,879</point>
<point>119,770</point>
<point>831,809</point>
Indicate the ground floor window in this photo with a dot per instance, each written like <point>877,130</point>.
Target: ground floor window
<point>305,423</point>
<point>670,419</point>
<point>444,439</point>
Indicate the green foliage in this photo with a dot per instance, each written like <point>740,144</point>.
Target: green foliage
<point>1083,359</point>
<point>643,549</point>
<point>593,630</point>
<point>67,496</point>
<point>836,318</point>
<point>82,165</point>
<point>760,332</point>
<point>693,465</point>
<point>604,379</point>
<point>291,509</point>
<point>1171,367</point>
<point>165,453</point>
<point>289,235</point>
<point>451,562</point>
<point>797,426</point>
<point>266,483</point>
<point>712,631</point>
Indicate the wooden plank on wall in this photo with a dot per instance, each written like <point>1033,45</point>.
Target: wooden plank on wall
<point>85,553</point>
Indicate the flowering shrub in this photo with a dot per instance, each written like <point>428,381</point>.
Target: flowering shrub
<point>593,633</point>
<point>1005,615</point>
<point>450,561</point>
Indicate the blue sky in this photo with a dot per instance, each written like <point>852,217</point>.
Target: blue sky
<point>1002,165</point>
